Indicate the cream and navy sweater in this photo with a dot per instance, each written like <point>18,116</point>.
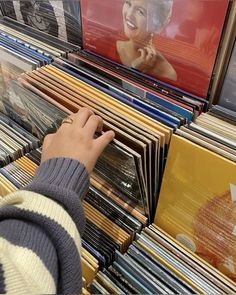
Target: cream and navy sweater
<point>40,229</point>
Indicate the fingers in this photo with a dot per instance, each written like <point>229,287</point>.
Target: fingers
<point>81,117</point>
<point>103,141</point>
<point>94,124</point>
<point>146,60</point>
<point>151,55</point>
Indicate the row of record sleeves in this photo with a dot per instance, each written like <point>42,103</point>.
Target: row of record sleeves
<point>192,199</point>
<point>195,47</point>
<point>42,48</point>
<point>155,262</point>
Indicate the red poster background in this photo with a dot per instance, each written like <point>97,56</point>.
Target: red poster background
<point>189,42</point>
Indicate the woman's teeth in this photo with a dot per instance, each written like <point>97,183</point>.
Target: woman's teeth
<point>131,25</point>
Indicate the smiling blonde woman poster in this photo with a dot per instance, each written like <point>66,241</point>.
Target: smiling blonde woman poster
<point>169,40</point>
<point>141,19</point>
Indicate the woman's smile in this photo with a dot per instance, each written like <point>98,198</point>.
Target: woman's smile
<point>130,24</point>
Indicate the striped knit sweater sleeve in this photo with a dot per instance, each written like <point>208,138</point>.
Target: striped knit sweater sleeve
<point>40,229</point>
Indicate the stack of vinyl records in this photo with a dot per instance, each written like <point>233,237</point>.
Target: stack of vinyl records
<point>40,41</point>
<point>145,93</point>
<point>20,172</point>
<point>157,264</point>
<point>15,141</point>
<point>134,162</point>
<point>57,18</point>
<point>167,99</point>
<point>24,49</point>
<point>213,133</point>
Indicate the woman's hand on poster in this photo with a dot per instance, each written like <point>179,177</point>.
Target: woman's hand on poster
<point>146,61</point>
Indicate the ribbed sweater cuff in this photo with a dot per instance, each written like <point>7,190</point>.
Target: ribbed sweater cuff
<point>66,181</point>
<point>64,173</point>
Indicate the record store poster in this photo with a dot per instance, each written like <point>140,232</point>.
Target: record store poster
<point>175,41</point>
<point>60,18</point>
<point>197,203</point>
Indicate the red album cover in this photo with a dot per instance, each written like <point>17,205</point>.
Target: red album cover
<point>175,41</point>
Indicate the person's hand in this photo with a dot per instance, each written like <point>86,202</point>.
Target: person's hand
<point>147,59</point>
<point>76,140</point>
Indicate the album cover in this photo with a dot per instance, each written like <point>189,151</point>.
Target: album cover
<point>165,275</point>
<point>211,273</point>
<point>118,276</point>
<point>28,110</point>
<point>197,203</point>
<point>170,40</point>
<point>149,279</point>
<point>119,168</point>
<point>12,64</point>
<point>108,283</point>
<point>39,35</point>
<point>59,18</point>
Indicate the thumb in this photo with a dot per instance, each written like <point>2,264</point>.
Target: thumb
<point>103,141</point>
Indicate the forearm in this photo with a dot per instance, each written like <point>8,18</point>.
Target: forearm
<point>65,181</point>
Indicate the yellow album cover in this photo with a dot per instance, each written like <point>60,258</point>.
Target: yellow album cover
<point>197,203</point>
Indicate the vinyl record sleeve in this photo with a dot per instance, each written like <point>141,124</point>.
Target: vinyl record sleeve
<point>114,212</point>
<point>88,271</point>
<point>6,186</point>
<point>32,140</point>
<point>114,271</point>
<point>90,258</point>
<point>178,33</point>
<point>108,284</point>
<point>97,288</point>
<point>114,74</point>
<point>146,121</point>
<point>57,18</point>
<point>196,276</point>
<point>176,247</point>
<point>209,140</point>
<point>150,280</point>
<point>161,272</point>
<point>131,278</point>
<point>205,144</point>
<point>117,197</point>
<point>177,271</point>
<point>31,42</point>
<point>200,187</point>
<point>40,35</point>
<point>31,112</point>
